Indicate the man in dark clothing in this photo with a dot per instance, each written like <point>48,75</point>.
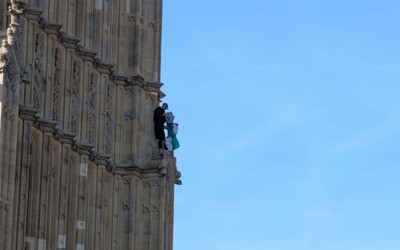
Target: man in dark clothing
<point>159,121</point>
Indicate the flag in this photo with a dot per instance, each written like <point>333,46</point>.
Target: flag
<point>172,129</point>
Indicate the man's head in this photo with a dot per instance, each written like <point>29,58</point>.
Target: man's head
<point>164,106</point>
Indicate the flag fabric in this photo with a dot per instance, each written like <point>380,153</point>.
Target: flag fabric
<point>172,142</point>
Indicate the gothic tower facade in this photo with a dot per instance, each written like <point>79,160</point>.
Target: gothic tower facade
<point>79,166</point>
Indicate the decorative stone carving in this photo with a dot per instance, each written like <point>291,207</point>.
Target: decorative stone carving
<point>28,132</point>
<point>106,202</point>
<point>128,115</point>
<point>131,18</point>
<point>155,208</point>
<point>3,205</point>
<point>109,117</point>
<point>75,98</point>
<point>52,171</point>
<point>47,143</point>
<point>66,155</point>
<point>164,171</point>
<point>58,133</point>
<point>43,22</point>
<point>146,208</point>
<point>110,165</point>
<point>38,72</point>
<point>19,38</point>
<point>93,154</point>
<point>37,120</point>
<point>150,207</point>
<point>16,10</point>
<point>151,183</point>
<point>9,68</point>
<point>130,92</point>
<point>167,209</point>
<point>80,49</point>
<point>57,84</point>
<point>106,178</point>
<point>92,108</point>
<point>163,167</point>
<point>62,36</point>
<point>126,182</point>
<point>177,178</point>
<point>75,144</point>
<point>126,205</point>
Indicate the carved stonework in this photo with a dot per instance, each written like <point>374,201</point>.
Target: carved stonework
<point>106,202</point>
<point>75,99</point>
<point>177,178</point>
<point>167,209</point>
<point>150,207</point>
<point>27,136</point>
<point>93,154</point>
<point>93,108</point>
<point>106,178</point>
<point>146,208</point>
<point>47,144</point>
<point>131,18</point>
<point>126,205</point>
<point>129,115</point>
<point>163,166</point>
<point>151,183</point>
<point>3,205</point>
<point>19,38</point>
<point>109,117</point>
<point>38,71</point>
<point>57,132</point>
<point>43,23</point>
<point>52,171</point>
<point>15,11</point>
<point>126,182</point>
<point>66,155</point>
<point>9,68</point>
<point>57,84</point>
<point>110,165</point>
<point>151,24</point>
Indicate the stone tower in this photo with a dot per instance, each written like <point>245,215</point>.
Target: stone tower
<point>79,169</point>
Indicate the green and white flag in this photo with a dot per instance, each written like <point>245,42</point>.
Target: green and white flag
<point>172,142</point>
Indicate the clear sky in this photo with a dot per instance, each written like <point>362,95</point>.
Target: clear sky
<point>289,115</point>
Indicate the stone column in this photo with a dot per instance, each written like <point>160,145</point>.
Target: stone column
<point>3,15</point>
<point>9,106</point>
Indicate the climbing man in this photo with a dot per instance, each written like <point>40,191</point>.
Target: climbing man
<point>159,121</point>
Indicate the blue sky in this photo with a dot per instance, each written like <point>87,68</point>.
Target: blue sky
<point>289,116</point>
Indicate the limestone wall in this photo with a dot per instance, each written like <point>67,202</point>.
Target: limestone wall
<point>79,81</point>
